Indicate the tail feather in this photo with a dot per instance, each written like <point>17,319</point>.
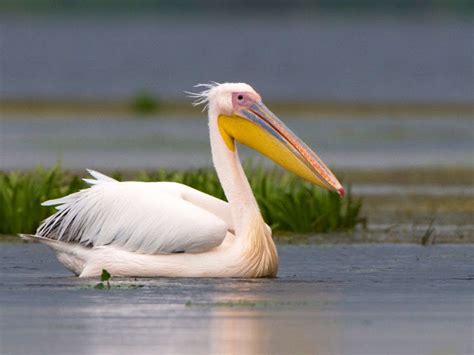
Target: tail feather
<point>30,237</point>
<point>44,240</point>
<point>72,255</point>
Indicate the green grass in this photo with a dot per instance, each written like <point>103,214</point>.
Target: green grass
<point>21,194</point>
<point>144,102</point>
<point>287,203</point>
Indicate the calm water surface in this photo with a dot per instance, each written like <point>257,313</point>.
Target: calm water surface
<point>364,299</point>
<point>158,142</point>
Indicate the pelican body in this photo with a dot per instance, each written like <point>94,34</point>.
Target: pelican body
<point>167,229</point>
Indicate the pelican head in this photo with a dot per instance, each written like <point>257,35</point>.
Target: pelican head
<point>243,117</point>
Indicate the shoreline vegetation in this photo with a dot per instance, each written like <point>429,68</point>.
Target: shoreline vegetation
<point>396,217</point>
<point>287,203</point>
<point>146,103</point>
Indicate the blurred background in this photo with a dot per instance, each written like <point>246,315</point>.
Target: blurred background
<point>342,62</point>
<point>383,90</point>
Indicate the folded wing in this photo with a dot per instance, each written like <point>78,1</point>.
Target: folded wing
<point>140,217</point>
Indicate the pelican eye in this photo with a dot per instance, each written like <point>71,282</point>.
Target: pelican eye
<point>240,97</point>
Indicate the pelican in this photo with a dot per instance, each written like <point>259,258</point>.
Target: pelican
<point>167,229</point>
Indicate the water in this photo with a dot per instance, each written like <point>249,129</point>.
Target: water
<point>426,59</point>
<point>175,142</point>
<point>361,299</point>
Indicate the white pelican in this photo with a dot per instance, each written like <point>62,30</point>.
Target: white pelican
<point>166,229</point>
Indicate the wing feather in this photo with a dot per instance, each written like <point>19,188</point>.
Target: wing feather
<point>100,177</point>
<point>140,217</point>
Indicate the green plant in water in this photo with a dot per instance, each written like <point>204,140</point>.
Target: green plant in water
<point>145,102</point>
<point>287,203</point>
<point>104,277</point>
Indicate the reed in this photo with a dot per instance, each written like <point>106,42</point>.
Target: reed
<point>287,203</point>
<point>21,194</point>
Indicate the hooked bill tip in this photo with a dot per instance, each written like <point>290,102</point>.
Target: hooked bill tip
<point>341,192</point>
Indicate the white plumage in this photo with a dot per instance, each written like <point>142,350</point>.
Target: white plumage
<point>147,218</point>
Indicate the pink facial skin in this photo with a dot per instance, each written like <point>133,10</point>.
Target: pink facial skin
<point>242,100</point>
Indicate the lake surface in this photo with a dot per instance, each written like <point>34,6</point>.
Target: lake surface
<point>366,58</point>
<point>183,142</point>
<point>359,299</point>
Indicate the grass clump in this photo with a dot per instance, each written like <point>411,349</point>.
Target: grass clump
<point>145,102</point>
<point>21,195</point>
<point>288,204</point>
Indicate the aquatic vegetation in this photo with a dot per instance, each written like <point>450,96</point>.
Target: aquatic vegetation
<point>145,102</point>
<point>287,203</point>
<point>21,194</point>
<point>104,281</point>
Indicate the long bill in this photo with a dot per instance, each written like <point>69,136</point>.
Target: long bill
<point>258,128</point>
